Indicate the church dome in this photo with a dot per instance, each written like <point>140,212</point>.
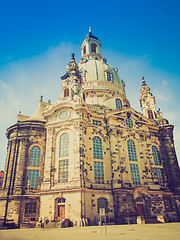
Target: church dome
<point>100,75</point>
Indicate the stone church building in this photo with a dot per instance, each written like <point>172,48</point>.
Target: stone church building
<point>91,150</point>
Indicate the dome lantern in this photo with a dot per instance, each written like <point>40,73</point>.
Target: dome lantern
<point>90,45</point>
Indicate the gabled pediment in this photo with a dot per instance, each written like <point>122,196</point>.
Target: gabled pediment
<point>130,112</point>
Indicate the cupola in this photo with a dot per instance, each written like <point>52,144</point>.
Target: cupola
<point>90,45</point>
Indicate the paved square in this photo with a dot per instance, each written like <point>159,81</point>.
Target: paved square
<point>168,231</point>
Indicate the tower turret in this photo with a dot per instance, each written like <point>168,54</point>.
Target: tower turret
<point>148,103</point>
<point>71,83</point>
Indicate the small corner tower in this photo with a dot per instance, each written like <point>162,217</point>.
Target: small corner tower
<point>71,81</point>
<point>148,103</point>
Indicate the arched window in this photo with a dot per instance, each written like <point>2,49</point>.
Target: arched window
<point>129,122</point>
<point>35,156</point>
<point>118,103</point>
<point>131,150</point>
<point>30,209</point>
<point>97,148</point>
<point>150,114</point>
<point>66,92</point>
<point>93,47</point>
<point>156,155</point>
<point>102,203</point>
<point>64,145</point>
<point>84,50</point>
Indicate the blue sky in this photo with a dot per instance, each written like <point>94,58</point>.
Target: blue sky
<point>38,37</point>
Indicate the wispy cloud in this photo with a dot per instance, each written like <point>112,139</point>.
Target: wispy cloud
<point>164,83</point>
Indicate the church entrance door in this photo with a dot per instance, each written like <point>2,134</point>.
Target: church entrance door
<point>61,212</point>
<point>140,210</point>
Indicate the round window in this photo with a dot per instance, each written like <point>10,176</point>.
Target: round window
<point>63,115</point>
<point>129,123</point>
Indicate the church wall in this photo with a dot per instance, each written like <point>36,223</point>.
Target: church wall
<point>169,157</point>
<point>128,203</point>
<point>13,210</point>
<point>91,206</point>
<point>91,132</point>
<point>20,138</point>
<point>119,135</point>
<point>2,208</point>
<point>72,205</point>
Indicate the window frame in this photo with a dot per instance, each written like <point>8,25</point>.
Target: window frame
<point>63,173</point>
<point>84,49</point>
<point>97,148</point>
<point>98,172</point>
<point>118,104</point>
<point>102,202</point>
<point>66,92</point>
<point>93,47</point>
<point>150,114</point>
<point>96,122</point>
<point>129,123</point>
<point>33,172</point>
<point>64,147</point>
<point>63,157</point>
<point>35,156</point>
<point>131,150</point>
<point>156,156</point>
<point>135,177</point>
<point>109,76</point>
<point>27,212</point>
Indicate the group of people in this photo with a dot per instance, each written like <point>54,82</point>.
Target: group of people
<point>42,222</point>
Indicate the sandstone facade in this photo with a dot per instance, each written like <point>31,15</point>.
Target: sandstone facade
<point>91,150</point>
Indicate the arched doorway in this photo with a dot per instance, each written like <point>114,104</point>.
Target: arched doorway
<point>142,203</point>
<point>60,208</point>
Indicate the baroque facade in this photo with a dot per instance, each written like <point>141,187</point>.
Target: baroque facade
<point>91,150</point>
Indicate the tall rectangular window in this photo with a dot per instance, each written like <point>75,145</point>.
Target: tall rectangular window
<point>131,150</point>
<point>35,155</point>
<point>63,171</point>
<point>134,173</point>
<point>159,175</point>
<point>33,179</point>
<point>98,172</point>
<point>109,76</point>
<point>64,145</point>
<point>97,147</point>
<point>156,155</point>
